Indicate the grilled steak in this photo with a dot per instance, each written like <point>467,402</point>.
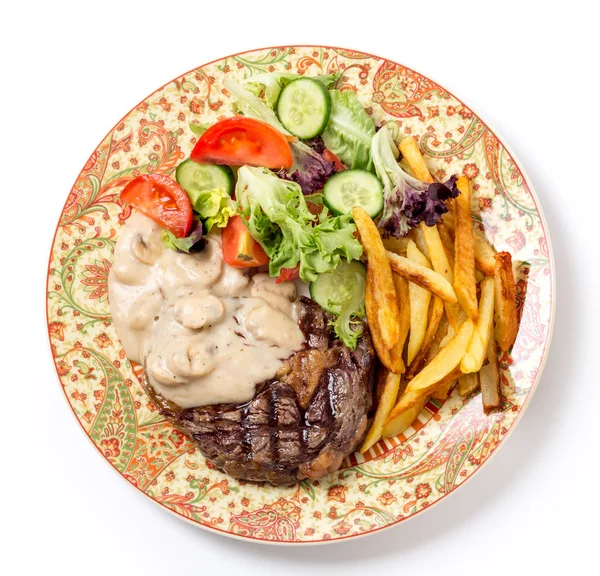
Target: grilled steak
<point>300,424</point>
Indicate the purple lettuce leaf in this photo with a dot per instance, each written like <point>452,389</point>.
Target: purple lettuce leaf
<point>310,170</point>
<point>417,206</point>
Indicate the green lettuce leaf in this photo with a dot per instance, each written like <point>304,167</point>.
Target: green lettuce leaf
<point>214,206</point>
<point>350,130</point>
<point>277,217</point>
<point>183,244</point>
<point>199,128</point>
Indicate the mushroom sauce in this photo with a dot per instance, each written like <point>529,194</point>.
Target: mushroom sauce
<point>205,332</point>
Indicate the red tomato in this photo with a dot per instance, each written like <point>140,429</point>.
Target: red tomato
<point>288,274</point>
<point>238,141</point>
<point>240,250</point>
<point>329,156</point>
<point>162,199</point>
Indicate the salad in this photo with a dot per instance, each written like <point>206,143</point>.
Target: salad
<point>280,180</point>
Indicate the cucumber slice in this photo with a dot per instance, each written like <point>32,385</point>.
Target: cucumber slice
<point>303,107</point>
<point>332,289</point>
<point>350,188</point>
<point>195,178</point>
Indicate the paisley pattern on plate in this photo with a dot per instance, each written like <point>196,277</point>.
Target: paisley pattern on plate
<point>397,478</point>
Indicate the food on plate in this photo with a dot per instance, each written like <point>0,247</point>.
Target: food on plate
<point>389,392</point>
<point>296,253</point>
<point>489,379</point>
<point>468,383</point>
<point>436,313</point>
<point>507,324</point>
<point>419,305</point>
<point>464,251</point>
<point>473,359</point>
<point>380,277</point>
<point>422,276</point>
<point>433,375</point>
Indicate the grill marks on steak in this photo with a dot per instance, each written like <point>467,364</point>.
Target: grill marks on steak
<point>300,424</point>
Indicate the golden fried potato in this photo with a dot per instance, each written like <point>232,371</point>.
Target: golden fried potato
<point>484,252</point>
<point>473,359</point>
<point>432,376</point>
<point>403,420</point>
<point>384,292</point>
<point>464,251</point>
<point>507,324</point>
<point>441,265</point>
<point>383,352</point>
<point>419,305</point>
<point>441,392</point>
<point>403,299</point>
<point>422,276</point>
<point>435,316</point>
<point>387,399</point>
<point>412,155</point>
<point>447,242</point>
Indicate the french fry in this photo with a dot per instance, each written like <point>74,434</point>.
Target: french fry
<point>464,251</point>
<point>412,155</point>
<point>484,252</point>
<point>426,381</point>
<point>468,383</point>
<point>403,300</point>
<point>420,242</point>
<point>447,241</point>
<point>384,292</point>
<point>419,305</point>
<point>404,420</point>
<point>435,317</point>
<point>507,324</point>
<point>489,379</point>
<point>389,393</point>
<point>473,359</point>
<point>422,276</point>
<point>441,265</point>
<point>383,352</point>
<point>441,392</point>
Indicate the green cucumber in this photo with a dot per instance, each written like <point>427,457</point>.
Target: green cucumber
<point>332,289</point>
<point>350,188</point>
<point>303,107</point>
<point>195,178</point>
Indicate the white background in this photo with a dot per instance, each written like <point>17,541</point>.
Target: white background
<point>70,71</point>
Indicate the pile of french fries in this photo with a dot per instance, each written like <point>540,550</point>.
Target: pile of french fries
<point>439,303</point>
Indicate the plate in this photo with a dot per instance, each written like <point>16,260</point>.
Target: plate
<point>397,478</point>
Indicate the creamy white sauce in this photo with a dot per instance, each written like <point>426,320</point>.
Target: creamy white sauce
<point>206,332</point>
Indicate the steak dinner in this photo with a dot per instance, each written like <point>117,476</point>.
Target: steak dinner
<point>300,424</point>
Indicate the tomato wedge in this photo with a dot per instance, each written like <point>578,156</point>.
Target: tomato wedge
<point>288,274</point>
<point>240,250</point>
<point>329,156</point>
<point>239,141</point>
<point>162,199</point>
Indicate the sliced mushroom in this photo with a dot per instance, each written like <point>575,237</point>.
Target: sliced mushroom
<point>147,248</point>
<point>196,311</point>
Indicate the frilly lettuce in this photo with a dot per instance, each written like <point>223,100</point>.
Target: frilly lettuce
<point>214,207</point>
<point>277,217</point>
<point>407,201</point>
<point>349,131</point>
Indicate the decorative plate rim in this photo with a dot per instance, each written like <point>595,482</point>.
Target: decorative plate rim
<point>524,406</point>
